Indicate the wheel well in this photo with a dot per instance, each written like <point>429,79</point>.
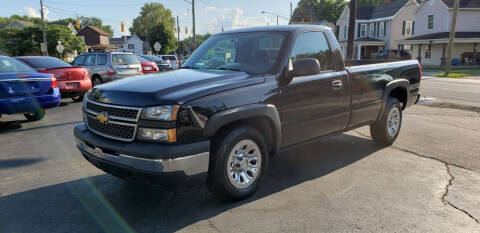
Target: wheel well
<point>401,94</point>
<point>262,124</point>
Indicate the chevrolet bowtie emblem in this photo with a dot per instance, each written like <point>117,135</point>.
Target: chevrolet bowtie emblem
<point>103,117</point>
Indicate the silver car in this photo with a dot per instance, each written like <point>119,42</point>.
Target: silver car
<point>171,60</point>
<point>107,66</point>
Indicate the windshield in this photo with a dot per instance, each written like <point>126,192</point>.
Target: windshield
<point>141,59</point>
<point>170,58</point>
<point>10,65</point>
<point>45,62</point>
<point>253,53</point>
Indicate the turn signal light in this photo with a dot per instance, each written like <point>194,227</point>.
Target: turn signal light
<point>110,71</point>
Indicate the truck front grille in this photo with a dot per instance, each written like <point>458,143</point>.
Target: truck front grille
<point>118,122</point>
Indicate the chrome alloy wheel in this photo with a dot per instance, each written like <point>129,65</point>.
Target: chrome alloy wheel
<point>393,123</point>
<point>244,164</point>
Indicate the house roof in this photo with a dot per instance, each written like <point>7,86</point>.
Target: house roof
<point>380,11</point>
<point>463,3</point>
<point>445,35</point>
<point>97,29</point>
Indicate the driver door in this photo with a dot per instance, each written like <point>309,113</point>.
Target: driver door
<point>314,105</point>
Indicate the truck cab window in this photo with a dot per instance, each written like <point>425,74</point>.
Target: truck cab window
<point>313,45</point>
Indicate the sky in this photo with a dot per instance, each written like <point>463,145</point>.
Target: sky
<point>211,15</point>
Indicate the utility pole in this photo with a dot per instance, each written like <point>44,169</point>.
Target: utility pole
<point>43,30</point>
<point>291,11</point>
<point>351,29</point>
<point>451,41</point>
<point>178,36</point>
<point>193,28</point>
<point>277,20</point>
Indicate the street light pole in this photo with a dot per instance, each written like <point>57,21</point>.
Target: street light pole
<point>43,30</point>
<point>278,16</point>
<point>193,29</point>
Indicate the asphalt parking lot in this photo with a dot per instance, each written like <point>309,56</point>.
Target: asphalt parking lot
<point>428,181</point>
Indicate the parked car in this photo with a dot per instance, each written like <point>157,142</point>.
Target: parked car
<point>162,65</point>
<point>107,66</point>
<point>25,91</point>
<point>73,81</point>
<point>218,124</point>
<point>173,62</point>
<point>148,67</point>
<point>392,54</point>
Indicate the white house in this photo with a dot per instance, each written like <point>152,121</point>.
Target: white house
<point>378,28</point>
<point>432,32</point>
<point>133,44</point>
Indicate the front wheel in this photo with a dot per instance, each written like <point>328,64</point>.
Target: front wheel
<point>386,129</point>
<point>35,116</point>
<point>239,163</point>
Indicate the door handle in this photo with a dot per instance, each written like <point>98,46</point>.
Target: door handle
<point>337,85</point>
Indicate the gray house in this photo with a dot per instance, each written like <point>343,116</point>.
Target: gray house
<point>379,28</point>
<point>432,32</point>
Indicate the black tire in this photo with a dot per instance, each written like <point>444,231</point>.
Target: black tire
<point>379,130</point>
<point>35,116</point>
<point>96,80</point>
<point>79,98</point>
<point>218,181</point>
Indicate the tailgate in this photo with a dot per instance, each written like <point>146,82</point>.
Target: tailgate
<point>22,85</point>
<point>127,70</point>
<point>67,73</point>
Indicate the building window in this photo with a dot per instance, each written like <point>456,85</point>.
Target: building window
<point>345,33</point>
<point>363,30</point>
<point>382,29</point>
<point>408,29</point>
<point>431,18</point>
<point>428,51</point>
<point>372,29</point>
<point>131,46</point>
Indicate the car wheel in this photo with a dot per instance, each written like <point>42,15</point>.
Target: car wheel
<point>238,163</point>
<point>35,116</point>
<point>96,80</point>
<point>79,98</point>
<point>386,129</point>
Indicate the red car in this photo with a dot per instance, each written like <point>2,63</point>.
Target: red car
<point>148,67</point>
<point>73,81</point>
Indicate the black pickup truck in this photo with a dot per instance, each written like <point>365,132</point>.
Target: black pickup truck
<point>242,96</point>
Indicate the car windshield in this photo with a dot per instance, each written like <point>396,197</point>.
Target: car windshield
<point>252,53</point>
<point>151,58</point>
<point>171,58</point>
<point>124,59</point>
<point>10,65</point>
<point>45,62</point>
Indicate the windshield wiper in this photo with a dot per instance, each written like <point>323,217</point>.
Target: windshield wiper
<point>223,68</point>
<point>188,67</point>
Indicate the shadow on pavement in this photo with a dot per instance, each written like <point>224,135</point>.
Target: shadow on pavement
<point>105,203</point>
<point>12,163</point>
<point>15,126</point>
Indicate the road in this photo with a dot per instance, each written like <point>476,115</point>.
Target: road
<point>464,92</point>
<point>428,181</point>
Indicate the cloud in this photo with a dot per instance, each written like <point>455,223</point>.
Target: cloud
<point>230,18</point>
<point>30,12</point>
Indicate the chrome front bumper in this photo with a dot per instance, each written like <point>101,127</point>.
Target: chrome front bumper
<point>190,165</point>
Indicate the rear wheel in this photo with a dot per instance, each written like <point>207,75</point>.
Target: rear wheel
<point>35,116</point>
<point>238,164</point>
<point>386,129</point>
<point>78,98</point>
<point>96,80</point>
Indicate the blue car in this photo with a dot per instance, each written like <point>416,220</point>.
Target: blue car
<point>24,91</point>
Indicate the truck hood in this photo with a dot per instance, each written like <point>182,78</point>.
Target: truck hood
<point>174,87</point>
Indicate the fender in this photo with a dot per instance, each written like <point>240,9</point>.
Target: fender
<point>223,118</point>
<point>388,88</point>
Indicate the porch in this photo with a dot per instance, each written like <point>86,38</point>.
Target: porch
<point>364,48</point>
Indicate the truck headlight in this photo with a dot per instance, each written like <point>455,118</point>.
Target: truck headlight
<point>159,135</point>
<point>162,113</point>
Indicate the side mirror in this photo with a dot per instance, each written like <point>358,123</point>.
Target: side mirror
<point>305,67</point>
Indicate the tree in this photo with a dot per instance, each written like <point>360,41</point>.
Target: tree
<point>314,10</point>
<point>160,33</point>
<point>156,22</point>
<point>16,42</point>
